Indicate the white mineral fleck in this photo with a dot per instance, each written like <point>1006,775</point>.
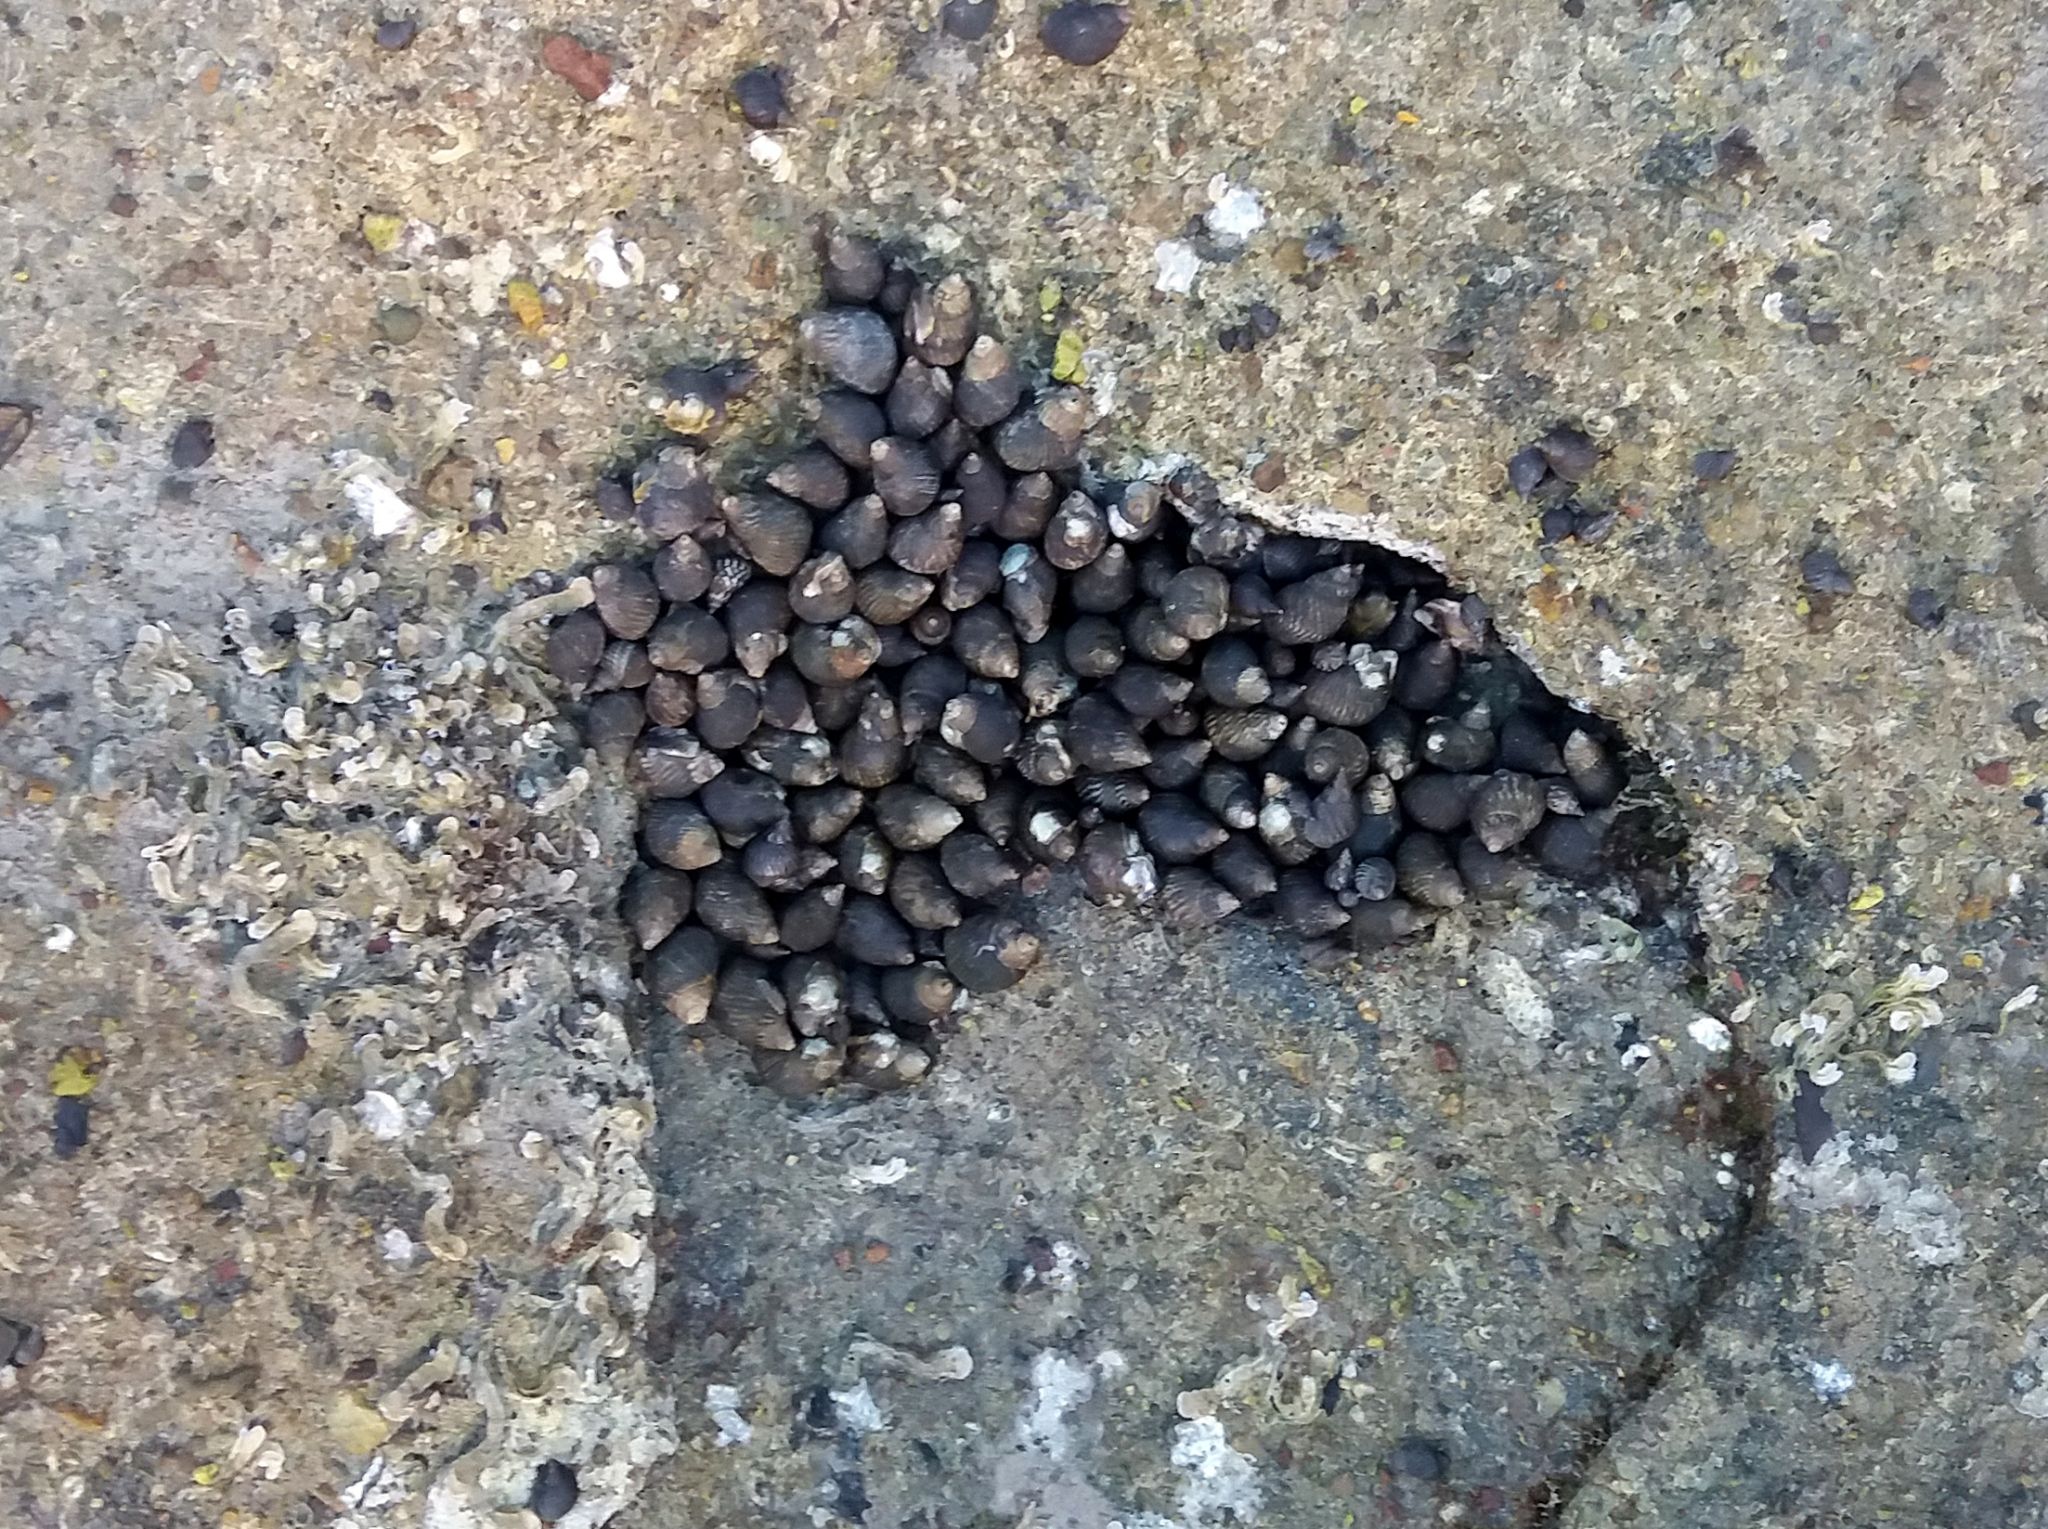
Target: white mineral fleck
<point>379,504</point>
<point>1709,1033</point>
<point>723,1403</point>
<point>610,263</point>
<point>1234,213</point>
<point>1831,1381</point>
<point>382,1116</point>
<point>1178,264</point>
<point>878,1175</point>
<point>1507,985</point>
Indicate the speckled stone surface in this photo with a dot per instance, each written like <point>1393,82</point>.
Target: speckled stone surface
<point>252,702</point>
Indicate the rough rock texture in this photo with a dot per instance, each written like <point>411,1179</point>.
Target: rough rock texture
<point>247,795</point>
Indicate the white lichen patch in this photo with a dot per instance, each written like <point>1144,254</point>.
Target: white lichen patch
<point>1924,1217</point>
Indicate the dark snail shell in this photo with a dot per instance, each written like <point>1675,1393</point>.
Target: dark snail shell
<point>670,699</point>
<point>814,987</point>
<point>1150,637</point>
<point>728,708</point>
<point>1229,542</point>
<point>913,819</point>
<point>1136,516</point>
<point>1560,798</point>
<point>1594,774</point>
<point>989,952</point>
<point>1196,603</point>
<point>823,813</point>
<point>1570,452</point>
<point>1392,736</point>
<point>1506,809</point>
<point>906,478</point>
<point>822,589</point>
<point>1243,867</point>
<point>682,571</point>
<point>775,532</point>
<point>624,666</point>
<point>1116,794</point>
<point>672,762</point>
<point>931,627</point>
<point>757,621</point>
<point>853,267</point>
<point>743,802</point>
<point>1106,585</point>
<point>1333,816</point>
<point>750,1008</point>
<point>1190,898</point>
<point>673,493</point>
<point>938,326</point>
<point>1047,829</point>
<point>1374,877</point>
<point>627,599</point>
<point>775,862</point>
<point>1388,922</point>
<point>1177,762</point>
<point>1082,32</point>
<point>1303,904</point>
<point>919,893</point>
<point>920,399</point>
<point>814,477</point>
<point>920,996</point>
<point>870,931</point>
<point>682,974</point>
<point>1424,679</point>
<point>1102,737</point>
<point>1094,647</point>
<point>576,643</point>
<point>1313,609</point>
<point>871,754</point>
<point>1229,794</point>
<point>1028,509</point>
<point>612,723</point>
<point>837,654</point>
<point>1178,830</point>
<point>859,533</point>
<point>1354,692</point>
<point>988,386</point>
<point>1030,585</point>
<point>1439,803</point>
<point>688,641</point>
<point>948,773</point>
<point>889,596</point>
<point>1455,747</point>
<point>997,813</point>
<point>676,833</point>
<point>1572,847</point>
<point>865,859</point>
<point>655,901</point>
<point>977,866</point>
<point>977,575</point>
<point>928,683</point>
<point>836,707</point>
<point>1489,876</point>
<point>1526,746</point>
<point>1426,873</point>
<point>982,724</point>
<point>852,346</point>
<point>733,908</point>
<point>1148,692</point>
<point>884,1061</point>
<point>1244,735</point>
<point>848,425</point>
<point>1232,675</point>
<point>1044,436</point>
<point>1334,754</point>
<point>795,759</point>
<point>1116,871</point>
<point>982,489</point>
<point>987,643</point>
<point>811,1068</point>
<point>1076,534</point>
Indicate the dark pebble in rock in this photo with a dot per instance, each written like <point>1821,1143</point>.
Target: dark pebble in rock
<point>73,1126</point>
<point>1081,33</point>
<point>1712,465</point>
<point>1919,91</point>
<point>396,33</point>
<point>398,324</point>
<point>2027,717</point>
<point>1418,1457</point>
<point>1269,474</point>
<point>1558,524</point>
<point>1527,469</point>
<point>1593,527</point>
<point>1925,609</point>
<point>762,97</point>
<point>21,1343</point>
<point>554,1491</point>
<point>968,20</point>
<point>1821,571</point>
<point>192,446</point>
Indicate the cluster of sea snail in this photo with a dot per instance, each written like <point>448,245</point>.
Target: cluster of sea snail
<point>929,657</point>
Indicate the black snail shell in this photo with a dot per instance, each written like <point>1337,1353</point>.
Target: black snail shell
<point>874,697</point>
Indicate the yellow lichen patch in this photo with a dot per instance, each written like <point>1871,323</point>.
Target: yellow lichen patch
<point>523,298</point>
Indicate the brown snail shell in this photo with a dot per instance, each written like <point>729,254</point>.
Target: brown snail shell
<point>907,479</point>
<point>920,996</point>
<point>1388,922</point>
<point>823,813</point>
<point>889,596</point>
<point>1196,603</point>
<point>1116,871</point>
<point>1137,515</point>
<point>1506,809</point>
<point>859,533</point>
<point>871,754</point>
<point>848,425</point>
<point>1077,533</point>
<point>1426,873</point>
<point>655,902</point>
<point>1303,904</point>
<point>1439,803</point>
<point>612,723</point>
<point>741,803</point>
<point>671,762</point>
<point>989,386</point>
<point>870,931</point>
<point>912,819</point>
<point>1093,647</point>
<point>1044,436</point>
<point>919,893</point>
<point>852,346</point>
<point>773,531</point>
<point>884,1061</point>
<point>688,641</point>
<point>811,1068</point>
<point>986,643</point>
<point>948,773</point>
<point>834,655</point>
<point>1030,585</point>
<point>938,326</point>
<point>865,859</point>
<point>813,476</point>
<point>682,571</point>
<point>1242,867</point>
<point>682,973</point>
<point>757,623</point>
<point>977,866</point>
<point>1594,774</point>
<point>624,666</point>
<point>733,908</point>
<point>750,1008</point>
<point>627,600</point>
<point>728,708</point>
<point>988,952</point>
<point>1102,737</point>
<point>1190,898</point>
<point>1028,509</point>
<point>576,643</point>
<point>982,724</point>
<point>676,833</point>
<point>920,399</point>
<point>822,589</point>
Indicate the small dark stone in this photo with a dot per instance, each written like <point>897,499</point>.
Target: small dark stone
<point>398,324</point>
<point>1737,155</point>
<point>1527,469</point>
<point>1821,571</point>
<point>1420,1458</point>
<point>968,20</point>
<point>192,446</point>
<point>554,1491</point>
<point>761,96</point>
<point>1084,34</point>
<point>2027,718</point>
<point>1924,608</point>
<point>1592,527</point>
<point>1919,91</point>
<point>1715,463</point>
<point>1558,523</point>
<point>1823,331</point>
<point>73,1126</point>
<point>122,204</point>
<point>396,33</point>
<point>1264,319</point>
